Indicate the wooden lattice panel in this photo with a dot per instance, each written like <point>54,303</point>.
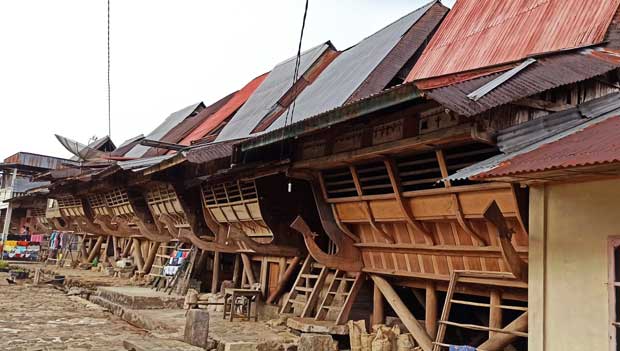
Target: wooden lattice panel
<point>117,201</point>
<point>236,203</point>
<point>70,206</point>
<point>162,199</point>
<point>98,204</point>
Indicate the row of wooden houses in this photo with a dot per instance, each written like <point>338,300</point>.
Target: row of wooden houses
<point>457,170</point>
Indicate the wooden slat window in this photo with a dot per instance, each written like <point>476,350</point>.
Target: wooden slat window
<point>339,183</point>
<point>374,178</point>
<point>418,172</point>
<point>463,156</point>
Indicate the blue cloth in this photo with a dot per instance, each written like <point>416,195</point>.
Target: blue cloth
<point>462,348</point>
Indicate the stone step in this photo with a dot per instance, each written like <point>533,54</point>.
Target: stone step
<point>139,298</point>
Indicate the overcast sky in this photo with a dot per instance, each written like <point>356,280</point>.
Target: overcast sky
<point>165,55</point>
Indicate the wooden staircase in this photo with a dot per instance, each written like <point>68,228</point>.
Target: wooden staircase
<point>310,285</point>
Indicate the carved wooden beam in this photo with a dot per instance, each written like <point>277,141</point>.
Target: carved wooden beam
<point>458,212</point>
<point>271,249</point>
<point>366,207</point>
<point>151,232</point>
<point>517,266</point>
<point>338,261</point>
<point>396,188</point>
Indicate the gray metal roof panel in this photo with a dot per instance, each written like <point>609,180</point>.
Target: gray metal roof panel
<point>349,70</point>
<point>142,163</point>
<point>264,98</point>
<point>531,135</point>
<point>170,122</point>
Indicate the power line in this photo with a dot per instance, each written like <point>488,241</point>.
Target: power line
<point>109,96</point>
<point>291,111</point>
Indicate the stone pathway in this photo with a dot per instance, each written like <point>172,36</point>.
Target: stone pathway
<point>44,318</point>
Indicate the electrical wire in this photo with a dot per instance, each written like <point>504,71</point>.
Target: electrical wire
<point>291,111</point>
<point>109,85</point>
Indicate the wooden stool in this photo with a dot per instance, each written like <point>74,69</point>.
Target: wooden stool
<point>246,297</point>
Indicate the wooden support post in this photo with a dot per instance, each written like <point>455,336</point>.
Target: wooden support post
<point>247,268</point>
<point>288,274</point>
<point>202,262</point>
<point>151,257</point>
<point>127,248</point>
<point>94,251</point>
<point>500,340</point>
<point>83,252</point>
<point>107,246</point>
<point>378,309</point>
<point>264,270</point>
<point>237,271</point>
<point>215,276</point>
<point>115,244</point>
<point>137,255</point>
<point>413,325</point>
<point>430,318</point>
<point>495,312</point>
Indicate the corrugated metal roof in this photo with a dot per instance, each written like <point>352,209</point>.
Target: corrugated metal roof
<point>141,163</point>
<point>546,73</point>
<point>265,97</point>
<point>594,143</point>
<point>170,122</point>
<point>38,161</point>
<point>211,151</point>
<point>176,134</point>
<point>225,112</point>
<point>482,33</point>
<point>531,135</point>
<point>388,98</point>
<point>127,145</point>
<point>344,76</point>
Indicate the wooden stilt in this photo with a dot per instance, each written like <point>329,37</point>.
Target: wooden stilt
<point>413,325</point>
<point>94,252</point>
<point>247,268</point>
<point>202,262</point>
<point>115,244</point>
<point>288,274</point>
<point>495,312</point>
<point>264,270</point>
<point>127,248</point>
<point>83,252</point>
<point>378,309</point>
<point>431,310</point>
<point>500,340</point>
<point>215,277</point>
<point>137,255</point>
<point>237,271</point>
<point>151,257</point>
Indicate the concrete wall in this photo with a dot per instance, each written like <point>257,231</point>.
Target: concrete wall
<point>570,225</point>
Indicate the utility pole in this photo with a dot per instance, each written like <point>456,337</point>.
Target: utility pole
<point>9,213</point>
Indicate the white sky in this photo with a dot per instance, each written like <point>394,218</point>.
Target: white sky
<point>165,55</point>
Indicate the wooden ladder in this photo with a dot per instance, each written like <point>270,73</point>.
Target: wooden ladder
<point>340,296</point>
<point>308,285</point>
<point>479,278</point>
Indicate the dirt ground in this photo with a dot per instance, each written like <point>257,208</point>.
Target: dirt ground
<point>44,318</point>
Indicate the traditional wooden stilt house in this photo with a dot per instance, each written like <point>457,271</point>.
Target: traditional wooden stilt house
<point>379,167</point>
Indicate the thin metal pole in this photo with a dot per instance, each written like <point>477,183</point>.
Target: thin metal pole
<point>9,213</point>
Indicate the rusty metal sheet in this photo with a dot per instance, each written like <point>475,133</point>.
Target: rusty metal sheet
<point>225,112</point>
<point>212,151</point>
<point>597,143</point>
<point>483,33</point>
<point>546,73</point>
<point>38,161</point>
<point>534,135</point>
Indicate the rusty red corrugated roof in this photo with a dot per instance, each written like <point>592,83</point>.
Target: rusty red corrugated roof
<point>546,73</point>
<point>224,112</point>
<point>483,33</point>
<point>595,144</point>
